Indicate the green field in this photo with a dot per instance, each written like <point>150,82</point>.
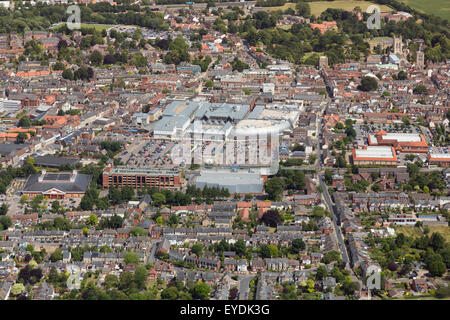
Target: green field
<point>414,232</point>
<point>439,8</point>
<point>318,7</point>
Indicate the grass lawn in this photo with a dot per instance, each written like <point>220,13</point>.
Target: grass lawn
<point>412,231</point>
<point>318,7</point>
<point>439,8</point>
<point>99,27</point>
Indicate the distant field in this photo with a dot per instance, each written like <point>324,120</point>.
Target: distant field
<point>439,8</point>
<point>318,7</point>
<point>99,27</point>
<point>411,231</point>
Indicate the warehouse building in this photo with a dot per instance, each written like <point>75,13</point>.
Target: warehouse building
<point>55,162</point>
<point>440,159</point>
<point>56,185</point>
<point>402,142</point>
<point>375,155</point>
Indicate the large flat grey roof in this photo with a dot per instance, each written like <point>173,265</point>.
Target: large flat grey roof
<point>7,148</point>
<point>234,182</point>
<point>51,161</point>
<point>143,171</point>
<point>181,108</point>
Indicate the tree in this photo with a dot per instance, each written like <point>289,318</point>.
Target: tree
<point>406,121</point>
<point>92,220</point>
<point>25,122</point>
<point>369,84</point>
<point>126,282</point>
<point>303,9</point>
<point>420,89</point>
<point>138,231</point>
<point>169,293</point>
<point>140,276</point>
<point>436,265</point>
<point>17,289</point>
<point>53,275</point>
<point>56,255</point>
<point>109,59</point>
<point>349,288</point>
<point>173,220</point>
<point>158,199</point>
<point>68,74</point>
<point>264,251</point>
<point>297,245</point>
<point>201,291</point>
<point>328,177</point>
<point>442,292</point>
<point>24,199</point>
<point>392,266</point>
<point>274,188</point>
<point>376,188</point>
<point>271,218</point>
<point>402,75</point>
<point>127,193</point>
<point>321,272</point>
<point>437,241</point>
<point>4,209</point>
<point>56,206</point>
<point>240,247</point>
<point>21,137</point>
<point>238,65</point>
<point>131,258</point>
<point>233,293</point>
<point>96,58</point>
<point>246,91</point>
<point>111,281</point>
<point>273,249</point>
<point>340,161</point>
<point>197,249</point>
<point>209,84</point>
<point>178,52</point>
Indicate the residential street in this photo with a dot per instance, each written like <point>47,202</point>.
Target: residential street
<point>244,283</point>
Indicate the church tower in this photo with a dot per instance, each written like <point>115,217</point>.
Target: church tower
<point>420,59</point>
<point>398,46</point>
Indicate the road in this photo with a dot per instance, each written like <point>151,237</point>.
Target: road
<point>299,168</point>
<point>151,257</point>
<point>244,286</point>
<point>337,230</point>
<point>326,195</point>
